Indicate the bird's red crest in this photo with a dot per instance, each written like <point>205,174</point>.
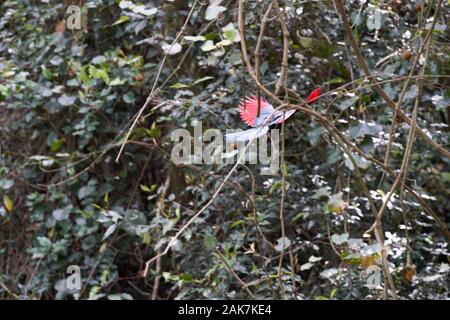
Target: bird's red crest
<point>313,95</point>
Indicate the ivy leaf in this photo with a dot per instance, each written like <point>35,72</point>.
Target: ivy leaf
<point>230,33</point>
<point>129,97</point>
<point>208,46</point>
<point>344,105</point>
<point>98,74</point>
<point>360,162</point>
<point>145,12</point>
<point>171,49</point>
<point>85,191</point>
<point>139,9</point>
<point>117,82</point>
<point>306,42</point>
<point>61,214</point>
<point>314,259</point>
<point>365,128</point>
<point>5,184</point>
<point>102,74</point>
<point>279,246</point>
<point>109,231</point>
<point>322,192</point>
<point>328,273</point>
<point>223,43</point>
<point>98,59</point>
<point>66,101</point>
<point>56,144</point>
<point>306,266</point>
<point>47,73</point>
<point>210,241</point>
<point>446,176</point>
<point>334,156</point>
<point>374,20</point>
<point>336,204</point>
<point>339,238</point>
<point>213,10</point>
<point>194,38</point>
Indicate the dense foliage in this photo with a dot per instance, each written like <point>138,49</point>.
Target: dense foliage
<point>69,97</point>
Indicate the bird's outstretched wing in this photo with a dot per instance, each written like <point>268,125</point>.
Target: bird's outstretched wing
<point>248,109</point>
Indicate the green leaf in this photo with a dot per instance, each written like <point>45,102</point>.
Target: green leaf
<point>334,156</point>
<point>230,35</point>
<point>333,293</point>
<point>129,97</point>
<point>117,82</point>
<point>121,20</point>
<point>145,188</point>
<point>103,75</point>
<point>179,85</point>
<point>154,131</point>
<point>236,223</point>
<point>210,241</point>
<point>306,42</point>
<point>98,74</point>
<point>47,73</point>
<point>86,214</point>
<point>146,238</point>
<point>211,36</point>
<point>4,92</point>
<point>298,216</point>
<point>57,144</point>
<point>446,176</point>
<point>83,76</point>
<point>336,80</point>
<point>202,80</point>
<point>186,277</point>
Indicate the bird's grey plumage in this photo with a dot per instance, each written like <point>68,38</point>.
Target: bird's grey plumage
<point>246,135</point>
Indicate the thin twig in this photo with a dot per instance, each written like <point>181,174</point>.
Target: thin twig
<point>229,268</point>
<point>159,209</point>
<point>284,63</point>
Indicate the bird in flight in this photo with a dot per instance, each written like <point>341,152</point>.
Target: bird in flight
<point>248,109</point>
